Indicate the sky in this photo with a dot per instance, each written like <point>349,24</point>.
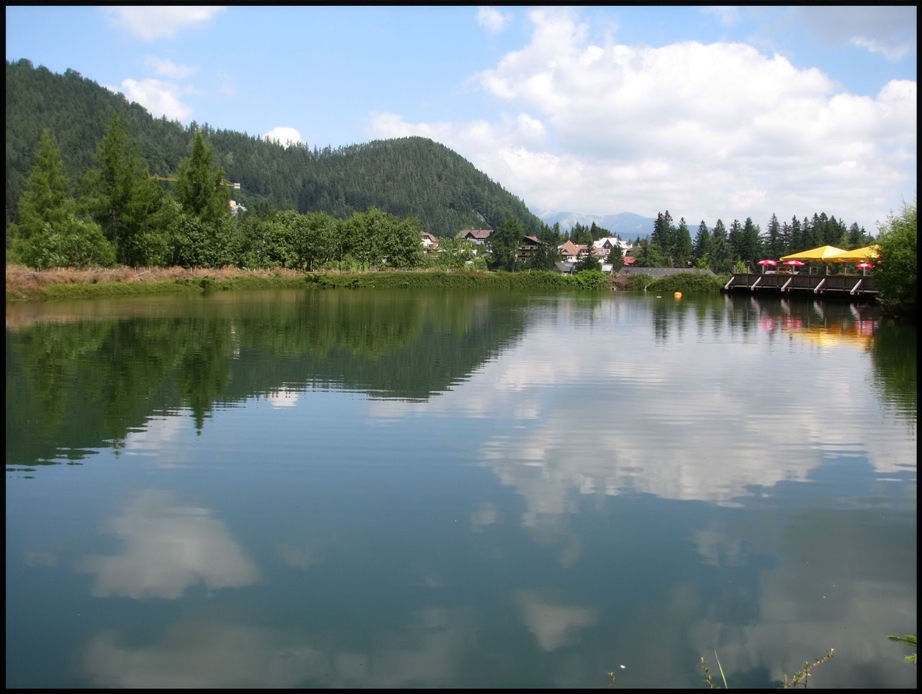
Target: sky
<point>707,112</point>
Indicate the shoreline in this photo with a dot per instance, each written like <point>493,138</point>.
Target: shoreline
<point>25,284</point>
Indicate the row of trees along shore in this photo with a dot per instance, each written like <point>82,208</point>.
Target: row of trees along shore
<point>118,213</point>
<point>121,214</point>
<point>723,249</point>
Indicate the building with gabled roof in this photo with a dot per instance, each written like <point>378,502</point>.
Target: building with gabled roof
<point>478,236</point>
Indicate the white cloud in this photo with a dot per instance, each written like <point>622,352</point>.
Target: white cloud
<point>492,19</point>
<point>168,549</point>
<point>167,68</point>
<point>159,97</point>
<point>149,23</point>
<point>890,52</point>
<point>704,130</point>
<point>284,135</point>
<point>889,31</point>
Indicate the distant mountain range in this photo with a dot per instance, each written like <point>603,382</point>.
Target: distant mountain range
<point>627,225</point>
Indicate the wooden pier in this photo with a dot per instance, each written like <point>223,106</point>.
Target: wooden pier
<point>853,287</point>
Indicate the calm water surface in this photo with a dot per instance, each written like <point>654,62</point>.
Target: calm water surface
<point>457,489</point>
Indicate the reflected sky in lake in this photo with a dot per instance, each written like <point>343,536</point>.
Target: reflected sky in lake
<point>472,489</point>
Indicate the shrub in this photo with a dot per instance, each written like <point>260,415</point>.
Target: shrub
<point>639,283</point>
<point>896,274</point>
<point>686,282</point>
<point>69,243</point>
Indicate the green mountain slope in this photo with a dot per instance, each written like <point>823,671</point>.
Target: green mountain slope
<point>405,176</point>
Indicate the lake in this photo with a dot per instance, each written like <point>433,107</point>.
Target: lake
<point>457,489</point>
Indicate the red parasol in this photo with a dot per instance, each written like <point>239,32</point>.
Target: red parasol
<point>794,264</point>
<point>767,263</point>
<point>864,267</point>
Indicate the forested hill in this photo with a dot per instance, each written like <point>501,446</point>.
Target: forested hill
<point>405,176</point>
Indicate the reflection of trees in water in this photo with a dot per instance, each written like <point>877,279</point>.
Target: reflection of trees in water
<point>83,385</point>
<point>893,353</point>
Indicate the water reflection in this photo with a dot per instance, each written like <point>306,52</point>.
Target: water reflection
<point>553,625</point>
<point>820,588</point>
<point>168,548</point>
<point>503,492</point>
<point>602,414</point>
<point>85,384</point>
<point>426,651</point>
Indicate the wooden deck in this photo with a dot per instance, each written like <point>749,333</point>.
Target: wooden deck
<point>855,287</point>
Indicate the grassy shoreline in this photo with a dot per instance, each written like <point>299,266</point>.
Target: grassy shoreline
<point>25,284</point>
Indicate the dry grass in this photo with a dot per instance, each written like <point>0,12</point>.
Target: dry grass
<point>24,283</point>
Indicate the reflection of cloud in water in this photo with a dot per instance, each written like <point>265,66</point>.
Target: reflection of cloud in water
<point>552,625</point>
<point>797,624</point>
<point>41,559</point>
<point>157,432</point>
<point>300,557</point>
<point>284,398</point>
<point>484,515</point>
<point>426,653</point>
<point>168,548</point>
<point>682,422</point>
<point>198,657</point>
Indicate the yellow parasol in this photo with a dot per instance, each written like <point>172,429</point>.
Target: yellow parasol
<point>858,254</point>
<point>824,253</point>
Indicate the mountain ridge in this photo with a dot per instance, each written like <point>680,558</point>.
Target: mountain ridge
<point>403,176</point>
<point>626,225</point>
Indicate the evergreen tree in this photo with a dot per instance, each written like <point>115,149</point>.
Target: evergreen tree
<point>46,199</point>
<point>786,239</point>
<point>774,243</point>
<point>504,243</point>
<point>125,201</point>
<point>547,253</point>
<point>752,244</point>
<point>798,238</point>
<point>702,247</point>
<point>50,233</point>
<point>615,258</point>
<point>735,241</point>
<point>721,260</point>
<point>661,244</point>
<point>200,186</point>
<point>682,246</point>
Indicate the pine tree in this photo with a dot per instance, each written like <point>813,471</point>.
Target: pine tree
<point>702,246</point>
<point>46,199</point>
<point>721,260</point>
<point>752,243</point>
<point>200,186</point>
<point>735,241</point>
<point>682,245</point>
<point>125,201</point>
<point>798,238</point>
<point>504,243</point>
<point>50,233</point>
<point>774,242</point>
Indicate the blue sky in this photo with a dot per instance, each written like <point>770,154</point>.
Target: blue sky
<point>705,111</point>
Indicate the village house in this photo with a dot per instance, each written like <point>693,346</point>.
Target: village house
<point>610,242</point>
<point>430,242</point>
<point>478,236</point>
<point>528,246</point>
<point>571,252</point>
